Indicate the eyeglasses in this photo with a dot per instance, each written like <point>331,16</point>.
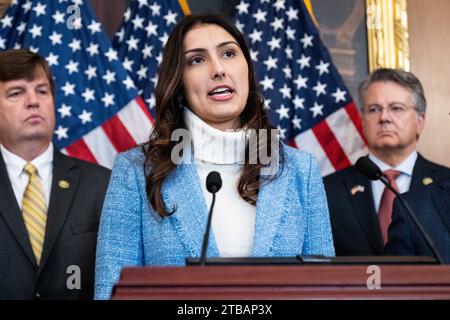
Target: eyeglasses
<point>395,109</point>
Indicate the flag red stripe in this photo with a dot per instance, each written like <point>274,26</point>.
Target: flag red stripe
<point>330,145</point>
<point>80,150</point>
<point>144,108</point>
<point>353,114</point>
<point>118,135</point>
<point>293,144</point>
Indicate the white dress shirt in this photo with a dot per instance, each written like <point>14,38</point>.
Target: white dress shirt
<point>19,179</point>
<point>233,220</point>
<point>403,180</point>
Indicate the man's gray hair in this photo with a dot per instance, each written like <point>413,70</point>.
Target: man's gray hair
<point>403,78</point>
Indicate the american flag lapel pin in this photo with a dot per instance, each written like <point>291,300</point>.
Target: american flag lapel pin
<point>356,189</point>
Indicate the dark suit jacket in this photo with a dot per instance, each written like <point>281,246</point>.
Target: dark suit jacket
<point>432,208</point>
<point>353,218</point>
<point>70,236</point>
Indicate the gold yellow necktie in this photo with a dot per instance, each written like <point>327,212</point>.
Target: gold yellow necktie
<point>34,211</point>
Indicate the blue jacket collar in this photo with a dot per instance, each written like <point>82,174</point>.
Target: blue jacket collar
<point>191,215</point>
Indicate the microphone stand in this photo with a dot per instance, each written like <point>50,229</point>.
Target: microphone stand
<point>208,227</point>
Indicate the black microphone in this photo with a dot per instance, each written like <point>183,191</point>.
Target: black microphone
<point>369,169</point>
<point>213,184</point>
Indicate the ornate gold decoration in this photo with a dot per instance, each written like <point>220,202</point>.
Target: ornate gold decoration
<point>387,34</point>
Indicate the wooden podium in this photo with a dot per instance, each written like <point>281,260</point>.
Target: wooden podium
<point>282,282</point>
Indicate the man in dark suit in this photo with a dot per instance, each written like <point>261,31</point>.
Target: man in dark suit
<point>432,208</point>
<point>49,203</point>
<point>393,108</point>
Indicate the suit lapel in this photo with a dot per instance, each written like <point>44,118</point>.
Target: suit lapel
<point>11,213</point>
<point>363,207</point>
<point>422,169</point>
<point>192,212</point>
<point>442,200</point>
<point>269,208</point>
<point>61,198</point>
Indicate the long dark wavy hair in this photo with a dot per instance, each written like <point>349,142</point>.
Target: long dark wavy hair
<point>169,115</point>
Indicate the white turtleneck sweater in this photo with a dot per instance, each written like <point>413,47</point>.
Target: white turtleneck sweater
<point>233,220</point>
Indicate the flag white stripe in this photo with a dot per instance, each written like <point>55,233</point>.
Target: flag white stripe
<point>136,121</point>
<point>101,147</point>
<point>307,141</point>
<point>346,134</point>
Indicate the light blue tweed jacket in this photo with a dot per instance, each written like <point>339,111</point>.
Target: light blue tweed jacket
<point>291,218</point>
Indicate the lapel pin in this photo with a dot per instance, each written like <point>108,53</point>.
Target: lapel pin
<point>63,184</point>
<point>356,189</point>
<point>426,181</point>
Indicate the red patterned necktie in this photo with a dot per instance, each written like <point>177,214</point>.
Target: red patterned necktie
<point>387,201</point>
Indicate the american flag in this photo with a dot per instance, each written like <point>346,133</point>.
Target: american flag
<point>141,39</point>
<point>98,110</point>
<point>306,97</point>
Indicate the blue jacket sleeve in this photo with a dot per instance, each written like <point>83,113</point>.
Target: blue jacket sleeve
<point>119,241</point>
<point>319,238</point>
